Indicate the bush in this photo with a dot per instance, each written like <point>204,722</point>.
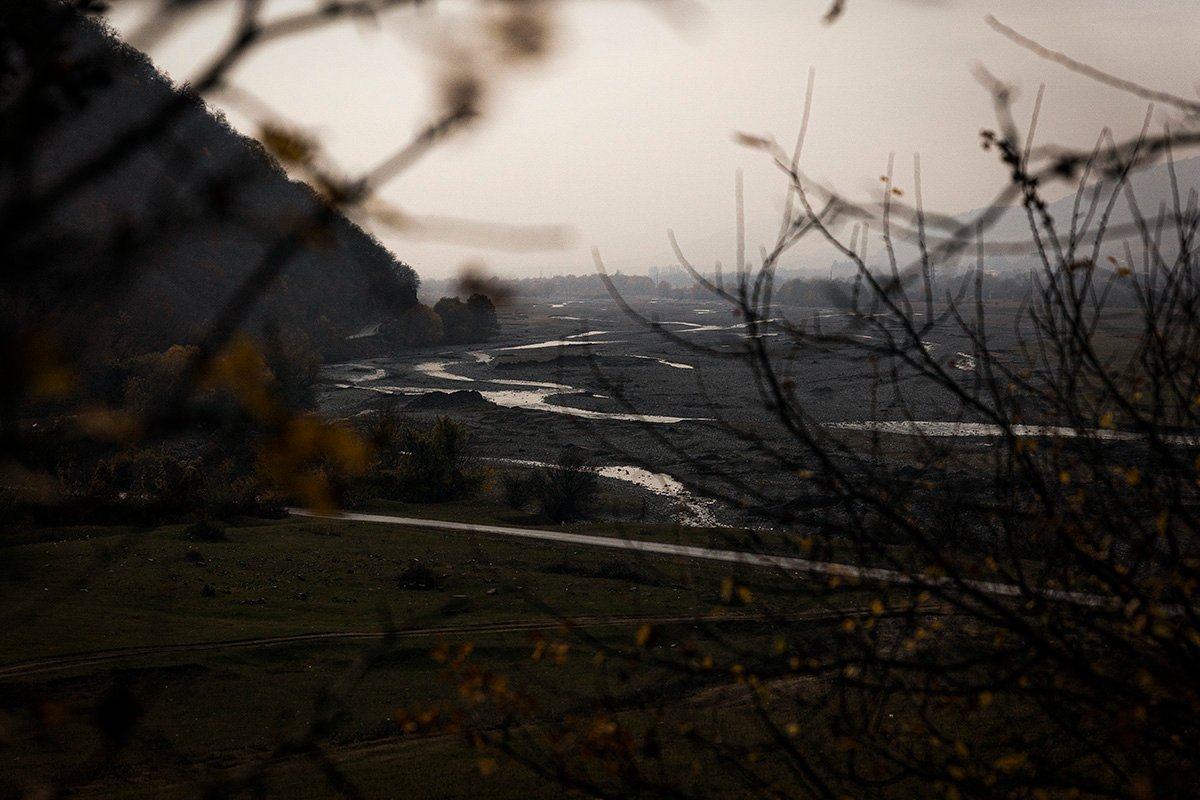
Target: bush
<point>437,466</point>
<point>567,488</point>
<point>418,326</point>
<point>518,488</point>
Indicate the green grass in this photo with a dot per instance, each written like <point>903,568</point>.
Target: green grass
<point>90,588</point>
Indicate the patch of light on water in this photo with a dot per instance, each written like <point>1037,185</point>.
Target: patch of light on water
<point>963,361</point>
<point>353,373</point>
<point>538,401</point>
<point>697,512</point>
<point>367,331</point>
<point>586,334</point>
<point>410,391</point>
<point>560,387</point>
<point>437,369</point>
<point>986,429</point>
<point>657,482</point>
<point>706,328</point>
<point>534,399</point>
<point>554,343</point>
<point>664,362</point>
<point>734,327</point>
<point>373,375</point>
<point>694,511</point>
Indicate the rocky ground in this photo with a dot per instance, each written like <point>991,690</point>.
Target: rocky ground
<point>675,390</point>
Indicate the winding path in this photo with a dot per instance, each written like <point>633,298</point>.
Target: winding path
<point>785,563</point>
<point>761,560</point>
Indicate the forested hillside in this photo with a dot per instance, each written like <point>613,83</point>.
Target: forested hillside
<point>133,216</point>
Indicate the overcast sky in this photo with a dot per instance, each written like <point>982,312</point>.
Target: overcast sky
<point>625,130</point>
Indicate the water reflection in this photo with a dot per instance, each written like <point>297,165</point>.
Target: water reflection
<point>535,399</point>
<point>985,429</point>
<point>664,362</point>
<point>552,343</point>
<point>437,369</point>
<point>692,511</point>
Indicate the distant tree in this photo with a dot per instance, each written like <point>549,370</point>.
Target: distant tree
<point>437,465</point>
<point>406,275</point>
<point>418,326</point>
<point>456,323</point>
<point>483,317</point>
<point>470,322</point>
<point>294,363</point>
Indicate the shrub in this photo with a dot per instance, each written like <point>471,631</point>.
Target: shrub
<point>437,466</point>
<point>518,488</point>
<point>567,488</point>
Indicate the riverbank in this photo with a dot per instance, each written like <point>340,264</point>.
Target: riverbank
<point>674,394</point>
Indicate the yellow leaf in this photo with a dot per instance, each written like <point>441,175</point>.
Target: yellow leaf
<point>643,636</point>
<point>1010,762</point>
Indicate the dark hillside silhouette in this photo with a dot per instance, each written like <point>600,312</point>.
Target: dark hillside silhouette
<point>132,214</point>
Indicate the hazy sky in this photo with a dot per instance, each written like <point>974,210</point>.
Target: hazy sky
<point>625,130</point>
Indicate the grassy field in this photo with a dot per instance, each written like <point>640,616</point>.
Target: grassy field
<point>82,595</point>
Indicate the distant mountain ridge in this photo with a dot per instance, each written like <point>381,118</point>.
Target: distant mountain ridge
<point>149,248</point>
